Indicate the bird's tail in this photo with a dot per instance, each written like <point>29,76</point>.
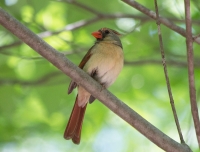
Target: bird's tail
<point>74,126</point>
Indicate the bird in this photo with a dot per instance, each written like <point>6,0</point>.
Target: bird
<point>103,62</point>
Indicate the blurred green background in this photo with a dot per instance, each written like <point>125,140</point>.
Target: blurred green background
<point>34,105</point>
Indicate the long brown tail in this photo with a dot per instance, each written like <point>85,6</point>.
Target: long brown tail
<point>74,126</point>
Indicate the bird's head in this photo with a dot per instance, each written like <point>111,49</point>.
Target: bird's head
<point>106,34</point>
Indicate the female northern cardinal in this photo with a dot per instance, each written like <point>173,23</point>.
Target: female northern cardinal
<point>103,62</point>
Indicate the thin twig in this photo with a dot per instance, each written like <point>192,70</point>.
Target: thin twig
<point>83,79</point>
<point>190,59</point>
<point>166,74</point>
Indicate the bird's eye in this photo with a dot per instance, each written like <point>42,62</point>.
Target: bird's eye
<point>107,32</point>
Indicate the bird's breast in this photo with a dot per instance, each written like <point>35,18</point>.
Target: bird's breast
<point>107,60</point>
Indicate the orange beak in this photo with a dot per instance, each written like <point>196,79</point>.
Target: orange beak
<point>97,35</point>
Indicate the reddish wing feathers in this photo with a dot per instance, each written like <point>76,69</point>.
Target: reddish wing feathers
<point>73,84</point>
<point>85,58</point>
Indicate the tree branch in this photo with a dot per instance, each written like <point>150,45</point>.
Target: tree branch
<point>166,75</point>
<point>190,58</point>
<point>163,20</point>
<point>83,79</point>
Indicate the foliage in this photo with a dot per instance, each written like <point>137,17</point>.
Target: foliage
<point>35,106</point>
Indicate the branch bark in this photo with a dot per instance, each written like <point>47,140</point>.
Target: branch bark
<point>162,20</point>
<point>83,79</point>
<point>166,74</point>
<point>190,59</point>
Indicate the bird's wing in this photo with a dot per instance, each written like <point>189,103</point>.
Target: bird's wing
<point>73,84</point>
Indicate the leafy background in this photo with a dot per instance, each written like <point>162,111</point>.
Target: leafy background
<point>34,105</point>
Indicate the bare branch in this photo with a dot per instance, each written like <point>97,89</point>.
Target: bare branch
<point>166,75</point>
<point>190,58</point>
<point>83,79</point>
<point>164,21</point>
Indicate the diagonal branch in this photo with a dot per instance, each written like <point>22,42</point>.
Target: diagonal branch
<point>83,79</point>
<point>190,58</point>
<point>162,20</point>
